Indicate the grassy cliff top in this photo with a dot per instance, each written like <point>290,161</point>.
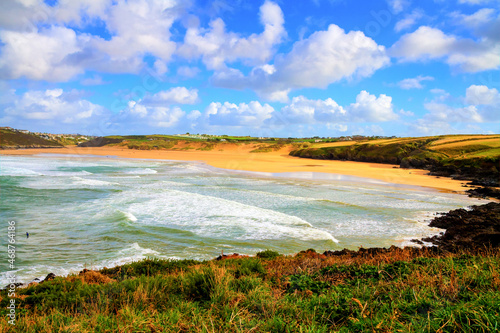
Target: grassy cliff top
<point>396,290</point>
<point>12,138</point>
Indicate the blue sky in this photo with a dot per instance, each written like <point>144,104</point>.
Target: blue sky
<point>263,68</point>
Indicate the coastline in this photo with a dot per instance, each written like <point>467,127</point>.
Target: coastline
<point>239,158</point>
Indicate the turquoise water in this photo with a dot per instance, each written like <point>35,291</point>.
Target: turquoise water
<point>93,212</point>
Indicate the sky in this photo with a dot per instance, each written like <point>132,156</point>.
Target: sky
<point>277,68</point>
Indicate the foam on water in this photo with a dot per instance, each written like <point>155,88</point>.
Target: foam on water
<point>221,218</point>
<point>146,171</point>
<point>90,182</point>
<point>6,170</point>
<point>116,211</point>
<point>131,217</point>
<point>133,252</point>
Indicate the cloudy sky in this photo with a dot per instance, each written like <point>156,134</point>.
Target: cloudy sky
<point>251,67</point>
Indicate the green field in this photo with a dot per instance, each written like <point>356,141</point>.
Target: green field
<point>470,157</point>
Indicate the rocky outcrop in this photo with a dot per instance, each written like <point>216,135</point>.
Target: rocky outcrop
<point>468,229</point>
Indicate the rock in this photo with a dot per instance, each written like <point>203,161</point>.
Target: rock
<point>230,256</point>
<point>484,192</point>
<point>471,229</point>
<point>50,276</point>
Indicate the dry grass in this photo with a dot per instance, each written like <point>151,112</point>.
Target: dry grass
<point>490,142</point>
<point>91,277</point>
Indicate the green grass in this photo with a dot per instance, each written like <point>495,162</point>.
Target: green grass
<point>307,293</point>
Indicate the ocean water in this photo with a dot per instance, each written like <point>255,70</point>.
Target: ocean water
<point>93,212</point>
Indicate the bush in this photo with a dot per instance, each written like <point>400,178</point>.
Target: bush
<point>268,254</point>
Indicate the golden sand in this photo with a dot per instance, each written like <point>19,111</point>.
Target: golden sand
<point>239,157</point>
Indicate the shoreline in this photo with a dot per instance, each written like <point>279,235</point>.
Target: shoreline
<point>239,158</point>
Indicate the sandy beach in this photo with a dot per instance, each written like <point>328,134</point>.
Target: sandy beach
<point>239,157</point>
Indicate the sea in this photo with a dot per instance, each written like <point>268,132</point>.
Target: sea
<point>84,211</point>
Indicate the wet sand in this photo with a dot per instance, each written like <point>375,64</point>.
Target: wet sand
<point>239,157</point>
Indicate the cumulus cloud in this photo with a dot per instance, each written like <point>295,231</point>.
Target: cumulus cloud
<point>414,83</point>
<point>444,113</point>
<point>323,58</point>
<point>176,95</point>
<point>371,108</point>
<point>482,95</point>
<point>367,108</point>
<point>481,105</point>
<point>430,43</point>
<point>150,116</point>
<point>306,111</point>
<point>43,49</point>
<point>159,110</point>
<point>216,46</point>
<point>252,114</point>
<point>51,108</point>
<point>139,28</point>
<point>39,55</point>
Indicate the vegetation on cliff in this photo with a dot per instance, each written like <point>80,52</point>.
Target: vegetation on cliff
<point>10,138</point>
<point>474,158</point>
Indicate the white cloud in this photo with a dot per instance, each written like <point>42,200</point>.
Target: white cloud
<point>39,55</point>
<point>367,108</point>
<point>156,110</point>
<point>188,72</point>
<point>482,95</point>
<point>93,81</point>
<point>370,108</point>
<point>414,83</point>
<point>481,105</point>
<point>441,94</point>
<point>165,117</point>
<point>176,95</point>
<point>53,107</point>
<point>424,43</point>
<point>306,111</point>
<point>429,43</point>
<point>149,116</point>
<point>23,15</point>
<point>409,21</point>
<point>444,113</point>
<point>406,113</point>
<point>252,114</point>
<point>56,53</point>
<point>323,58</point>
<point>139,28</point>
<point>76,11</point>
<point>475,20</point>
<point>397,6</point>
<point>216,47</point>
<point>473,2</point>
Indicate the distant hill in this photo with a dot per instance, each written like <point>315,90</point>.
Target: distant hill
<point>14,139</point>
<point>467,157</point>
<point>99,142</point>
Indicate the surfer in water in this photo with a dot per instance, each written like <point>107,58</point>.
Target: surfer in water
<point>27,235</point>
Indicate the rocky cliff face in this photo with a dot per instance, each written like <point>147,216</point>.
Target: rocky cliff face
<point>475,228</point>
